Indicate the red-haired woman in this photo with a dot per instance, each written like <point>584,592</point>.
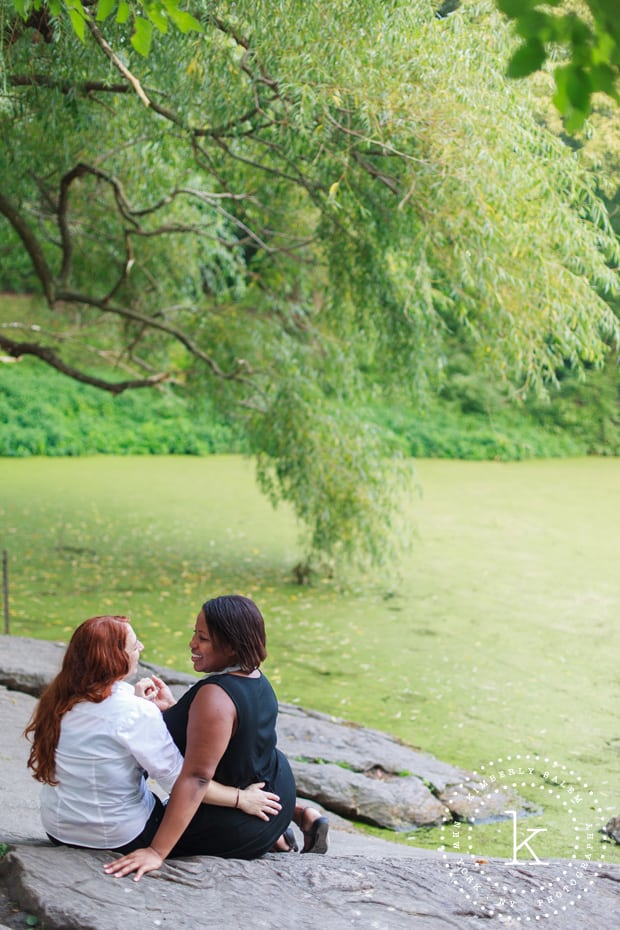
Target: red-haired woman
<point>93,739</point>
<point>225,727</point>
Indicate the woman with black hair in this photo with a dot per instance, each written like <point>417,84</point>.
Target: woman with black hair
<point>225,728</point>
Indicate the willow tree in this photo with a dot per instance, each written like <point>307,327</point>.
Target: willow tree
<point>285,205</point>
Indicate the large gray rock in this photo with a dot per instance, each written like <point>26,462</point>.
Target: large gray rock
<point>19,792</point>
<point>67,890</point>
<point>367,775</point>
<point>28,665</point>
<point>362,884</point>
<point>400,804</point>
<point>316,737</point>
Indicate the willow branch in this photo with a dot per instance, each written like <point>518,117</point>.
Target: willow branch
<point>77,172</point>
<point>118,64</point>
<point>32,246</point>
<point>389,181</point>
<point>241,373</point>
<point>66,87</point>
<point>244,43</point>
<point>47,355</point>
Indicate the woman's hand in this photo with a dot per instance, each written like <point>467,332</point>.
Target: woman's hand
<point>259,803</point>
<point>139,861</point>
<point>145,688</point>
<point>155,690</point>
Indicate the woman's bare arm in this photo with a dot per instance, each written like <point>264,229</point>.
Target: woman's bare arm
<point>251,800</point>
<point>212,718</point>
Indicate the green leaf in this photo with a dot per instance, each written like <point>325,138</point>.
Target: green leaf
<point>123,13</point>
<point>514,8</point>
<point>572,97</point>
<point>104,9</point>
<point>528,58</point>
<point>184,22</point>
<point>142,36</point>
<point>537,25</point>
<point>576,119</point>
<point>77,21</point>
<point>579,32</point>
<point>157,16</point>
<point>605,49</point>
<point>560,98</point>
<point>579,88</point>
<point>603,80</point>
<point>20,6</point>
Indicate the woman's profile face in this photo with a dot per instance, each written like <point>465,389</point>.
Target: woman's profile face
<point>206,655</point>
<point>133,648</point>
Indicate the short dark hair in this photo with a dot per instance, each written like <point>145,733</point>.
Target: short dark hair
<point>235,621</point>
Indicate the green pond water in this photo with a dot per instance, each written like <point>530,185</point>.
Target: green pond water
<point>493,644</point>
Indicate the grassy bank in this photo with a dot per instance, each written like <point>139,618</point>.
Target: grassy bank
<point>495,637</point>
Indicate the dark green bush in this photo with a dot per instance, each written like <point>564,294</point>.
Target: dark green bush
<point>443,431</point>
<point>44,413</point>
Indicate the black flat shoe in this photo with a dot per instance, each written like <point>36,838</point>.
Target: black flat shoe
<point>289,838</point>
<point>315,838</point>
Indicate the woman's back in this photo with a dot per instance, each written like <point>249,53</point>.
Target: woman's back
<point>251,756</point>
<point>101,799</point>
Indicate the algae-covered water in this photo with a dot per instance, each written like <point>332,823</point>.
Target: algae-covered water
<point>492,645</point>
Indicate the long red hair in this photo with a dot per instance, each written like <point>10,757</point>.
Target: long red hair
<point>95,658</point>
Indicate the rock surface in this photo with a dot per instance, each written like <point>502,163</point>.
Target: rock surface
<point>612,829</point>
<point>67,890</point>
<point>362,883</point>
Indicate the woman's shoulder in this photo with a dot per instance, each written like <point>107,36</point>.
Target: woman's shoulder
<point>243,689</point>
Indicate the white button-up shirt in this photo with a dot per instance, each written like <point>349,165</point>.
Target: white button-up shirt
<point>101,799</point>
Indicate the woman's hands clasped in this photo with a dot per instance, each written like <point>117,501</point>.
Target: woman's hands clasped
<point>155,690</point>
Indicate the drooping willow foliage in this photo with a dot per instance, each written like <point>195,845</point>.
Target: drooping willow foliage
<point>286,207</point>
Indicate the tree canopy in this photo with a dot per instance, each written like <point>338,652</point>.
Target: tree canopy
<point>288,206</point>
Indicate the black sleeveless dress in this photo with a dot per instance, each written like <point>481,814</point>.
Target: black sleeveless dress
<point>251,756</point>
